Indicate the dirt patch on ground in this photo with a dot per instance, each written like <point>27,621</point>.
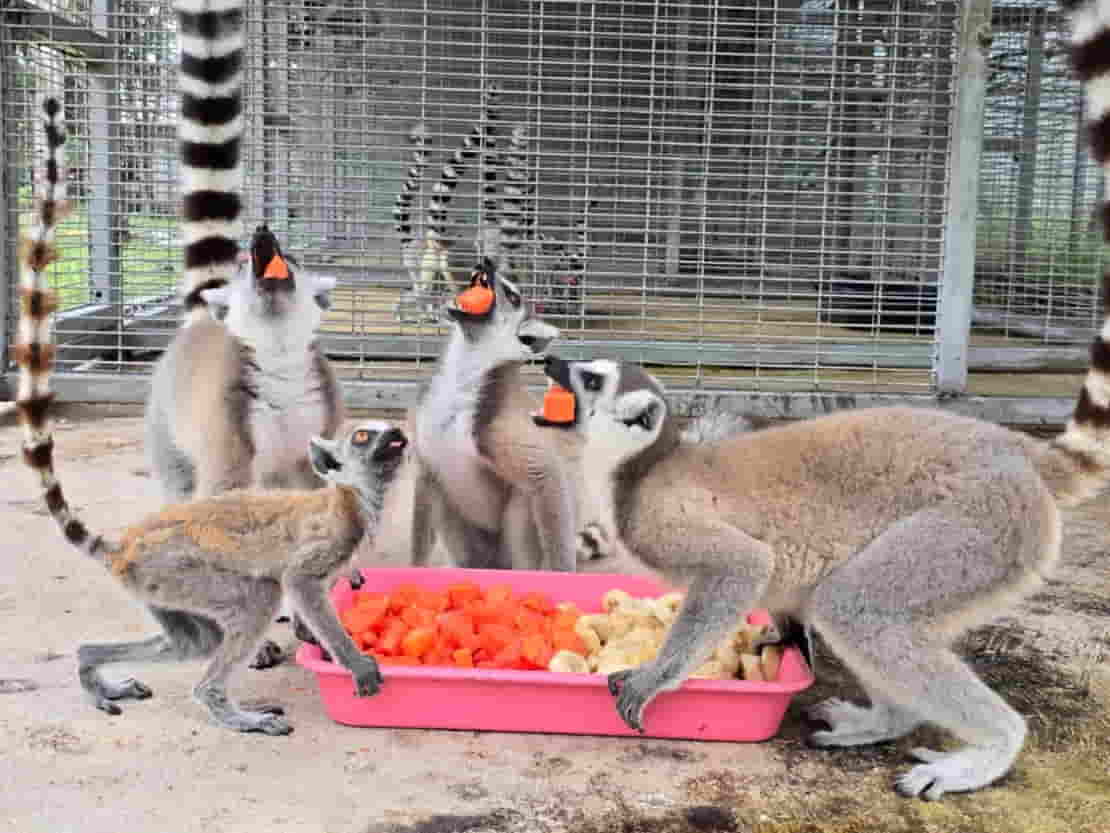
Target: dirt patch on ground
<point>161,766</point>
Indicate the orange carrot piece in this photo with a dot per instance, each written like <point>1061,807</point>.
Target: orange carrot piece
<point>464,592</point>
<point>418,642</point>
<point>564,620</point>
<point>538,602</point>
<point>509,656</point>
<point>495,638</point>
<point>390,641</point>
<point>568,641</point>
<point>418,617</point>
<point>536,650</point>
<point>463,657</point>
<point>499,593</point>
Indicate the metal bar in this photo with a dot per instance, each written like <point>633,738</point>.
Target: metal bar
<point>105,219</point>
<point>1044,411</point>
<point>954,299</point>
<point>1027,155</point>
<point>9,222</point>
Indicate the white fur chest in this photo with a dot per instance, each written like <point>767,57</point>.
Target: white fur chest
<point>446,445</point>
<point>287,411</point>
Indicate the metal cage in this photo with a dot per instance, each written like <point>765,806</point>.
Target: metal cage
<point>767,197</point>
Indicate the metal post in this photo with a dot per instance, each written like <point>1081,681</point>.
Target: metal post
<point>105,220</point>
<point>8,221</point>
<point>957,282</point>
<point>1027,155</point>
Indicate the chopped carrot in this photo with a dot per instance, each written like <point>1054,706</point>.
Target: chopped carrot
<point>509,656</point>
<point>536,650</point>
<point>434,600</point>
<point>418,617</point>
<point>568,641</point>
<point>495,638</point>
<point>460,594</point>
<point>390,642</point>
<point>528,621</point>
<point>463,657</point>
<point>418,642</point>
<point>564,620</point>
<point>499,593</point>
<point>537,602</point>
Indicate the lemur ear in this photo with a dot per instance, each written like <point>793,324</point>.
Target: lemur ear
<point>322,455</point>
<point>324,285</point>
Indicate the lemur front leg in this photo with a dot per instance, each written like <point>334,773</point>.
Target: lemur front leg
<point>730,575</point>
<point>309,594</point>
<point>423,529</point>
<point>554,513</point>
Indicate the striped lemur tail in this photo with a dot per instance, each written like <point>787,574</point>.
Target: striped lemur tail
<point>33,351</point>
<point>482,137</point>
<point>402,209</point>
<point>211,34</point>
<point>1078,461</point>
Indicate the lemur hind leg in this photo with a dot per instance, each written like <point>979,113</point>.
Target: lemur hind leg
<point>184,636</point>
<point>892,633</point>
<point>243,616</point>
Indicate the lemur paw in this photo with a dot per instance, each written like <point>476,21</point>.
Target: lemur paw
<point>590,543</point>
<point>852,725</point>
<point>634,689</point>
<point>356,579</point>
<point>269,655</point>
<point>270,724</point>
<point>368,679</point>
<point>129,689</point>
<point>968,769</point>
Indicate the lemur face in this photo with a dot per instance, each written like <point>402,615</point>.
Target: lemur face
<point>270,290</point>
<point>366,458</point>
<point>618,406</point>
<point>496,319</point>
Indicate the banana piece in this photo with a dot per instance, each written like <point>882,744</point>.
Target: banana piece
<point>770,661</point>
<point>753,670</point>
<point>570,662</point>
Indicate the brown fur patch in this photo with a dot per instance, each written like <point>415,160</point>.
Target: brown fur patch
<point>36,254</point>
<point>36,358</point>
<point>37,304</point>
<point>1087,413</point>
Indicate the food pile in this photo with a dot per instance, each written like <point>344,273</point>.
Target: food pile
<point>462,625</point>
<point>467,626</point>
<point>631,632</point>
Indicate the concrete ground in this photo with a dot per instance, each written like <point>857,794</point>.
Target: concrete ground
<point>161,767</point>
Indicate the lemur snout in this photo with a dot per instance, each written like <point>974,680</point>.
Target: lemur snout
<point>391,444</point>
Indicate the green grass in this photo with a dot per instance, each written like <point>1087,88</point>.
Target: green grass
<point>149,260</point>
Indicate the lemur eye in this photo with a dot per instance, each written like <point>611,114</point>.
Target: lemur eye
<point>591,381</point>
<point>360,438</point>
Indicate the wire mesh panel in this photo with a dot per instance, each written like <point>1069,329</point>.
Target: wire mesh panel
<point>1039,256</point>
<point>745,196</point>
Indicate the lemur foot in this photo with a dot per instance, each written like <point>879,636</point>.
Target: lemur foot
<point>852,725</point>
<point>107,693</point>
<point>269,655</point>
<point>634,689</point>
<point>266,722</point>
<point>968,769</point>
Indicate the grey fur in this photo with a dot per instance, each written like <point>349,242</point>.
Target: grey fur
<point>889,531</point>
<point>213,574</point>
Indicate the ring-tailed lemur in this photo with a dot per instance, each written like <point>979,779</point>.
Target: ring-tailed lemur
<point>477,451</point>
<point>425,245</point>
<point>233,402</point>
<point>889,530</point>
<point>212,572</point>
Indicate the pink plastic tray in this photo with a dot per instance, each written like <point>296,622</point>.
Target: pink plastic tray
<point>543,701</point>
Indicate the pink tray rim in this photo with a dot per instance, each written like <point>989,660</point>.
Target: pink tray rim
<point>309,656</point>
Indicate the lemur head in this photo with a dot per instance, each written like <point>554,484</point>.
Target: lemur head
<point>495,319</point>
<point>365,459</point>
<point>620,409</point>
<point>270,289</point>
